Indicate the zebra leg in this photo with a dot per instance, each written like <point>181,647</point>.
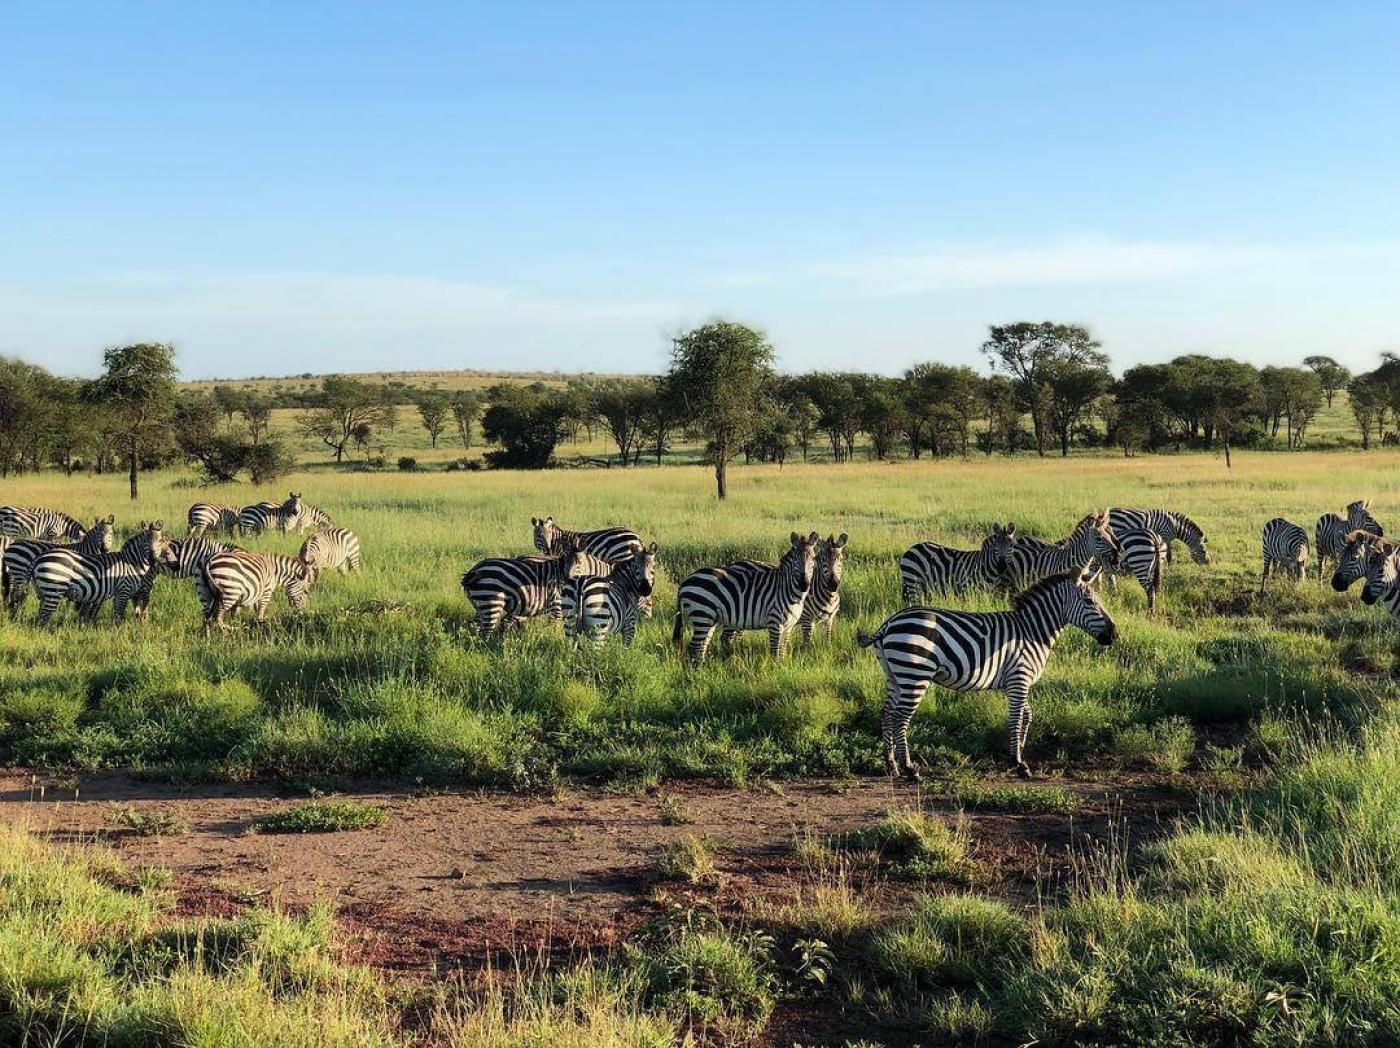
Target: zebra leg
<point>777,640</point>
<point>907,704</point>
<point>489,618</point>
<point>1018,724</point>
<point>701,633</point>
<point>807,625</point>
<point>727,638</point>
<point>48,604</point>
<point>1265,576</point>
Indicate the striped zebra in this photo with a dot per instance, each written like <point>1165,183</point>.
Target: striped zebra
<point>746,595</point>
<point>928,567</point>
<point>598,606</point>
<point>977,651</point>
<point>1333,529</point>
<point>508,590</point>
<point>1143,555</point>
<point>311,516</point>
<point>90,580</point>
<point>259,517</point>
<point>240,579</point>
<point>188,558</point>
<point>1286,548</point>
<point>332,549</point>
<point>35,522</point>
<point>207,518</point>
<point>824,598</point>
<point>1091,539</point>
<point>20,556</point>
<point>1383,582</point>
<point>1172,527</point>
<point>612,544</point>
<point>1360,558</point>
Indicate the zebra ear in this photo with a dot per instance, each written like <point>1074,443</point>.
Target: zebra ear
<point>841,541</point>
<point>1010,527</point>
<point>158,526</point>
<point>653,548</point>
<point>111,518</point>
<point>813,539</point>
<point>535,522</point>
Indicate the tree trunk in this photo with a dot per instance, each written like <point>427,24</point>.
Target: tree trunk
<point>1064,443</point>
<point>1226,441</point>
<point>720,477</point>
<point>131,474</point>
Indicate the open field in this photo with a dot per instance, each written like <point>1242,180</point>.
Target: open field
<point>544,806</point>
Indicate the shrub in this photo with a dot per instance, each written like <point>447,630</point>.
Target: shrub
<point>407,464</point>
<point>149,822</point>
<point>322,817</point>
<point>686,859</point>
<point>915,845</point>
<point>1164,746</point>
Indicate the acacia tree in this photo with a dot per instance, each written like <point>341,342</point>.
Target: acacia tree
<point>1073,387</point>
<point>137,389</point>
<point>257,414</point>
<point>466,406</point>
<point>433,410</point>
<point>621,404</point>
<point>1027,351</point>
<point>718,371</point>
<point>1369,400</point>
<point>346,410</point>
<point>1332,375</point>
<point>1234,395</point>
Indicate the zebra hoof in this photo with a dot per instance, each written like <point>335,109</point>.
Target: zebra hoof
<point>1022,771</point>
<point>911,774</point>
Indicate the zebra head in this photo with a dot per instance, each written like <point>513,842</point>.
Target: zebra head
<point>1083,608</point>
<point>1357,557</point>
<point>546,533</point>
<point>642,565</point>
<point>290,514</point>
<point>301,578</point>
<point>1092,536</point>
<point>800,561</point>
<point>831,555</point>
<point>1358,518</point>
<point>103,528</point>
<point>998,543</point>
<point>1382,571</point>
<point>1189,532</point>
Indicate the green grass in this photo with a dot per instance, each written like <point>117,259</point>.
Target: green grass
<point>322,817</point>
<point>148,822</point>
<point>976,796</point>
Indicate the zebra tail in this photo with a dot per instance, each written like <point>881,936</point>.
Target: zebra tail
<point>678,628</point>
<point>866,639</point>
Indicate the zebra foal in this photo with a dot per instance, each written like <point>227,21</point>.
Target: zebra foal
<point>1285,547</point>
<point>824,598</point>
<point>332,549</point>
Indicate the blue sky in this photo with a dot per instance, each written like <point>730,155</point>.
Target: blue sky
<point>279,188</point>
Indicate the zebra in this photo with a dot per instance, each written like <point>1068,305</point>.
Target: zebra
<point>89,580</point>
<point>1171,526</point>
<point>1360,558</point>
<point>310,516</point>
<point>824,598</point>
<point>210,517</point>
<point>240,579</point>
<point>1383,582</point>
<point>257,518</point>
<point>512,589</point>
<point>1333,531</point>
<point>20,556</point>
<point>979,650</point>
<point>1285,547</point>
<point>928,567</point>
<point>746,595</point>
<point>35,522</point>
<point>332,548</point>
<point>187,560</point>
<point>612,544</point>
<point>1143,555</point>
<point>597,606</point>
<point>1091,539</point>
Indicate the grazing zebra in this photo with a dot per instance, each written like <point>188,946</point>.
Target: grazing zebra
<point>239,579</point>
<point>210,517</point>
<point>90,580</point>
<point>311,516</point>
<point>611,544</point>
<point>20,556</point>
<point>595,607</point>
<point>824,598</point>
<point>1172,527</point>
<point>1285,547</point>
<point>1333,531</point>
<point>1091,539</point>
<point>927,567</point>
<point>512,589</point>
<point>257,518</point>
<point>35,522</point>
<point>746,595</point>
<point>188,558</point>
<point>976,651</point>
<point>332,548</point>
<point>1143,555</point>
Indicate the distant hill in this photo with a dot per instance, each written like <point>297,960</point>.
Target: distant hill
<point>445,380</point>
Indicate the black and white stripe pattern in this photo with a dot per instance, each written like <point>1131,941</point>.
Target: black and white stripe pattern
<point>332,549</point>
<point>747,595</point>
<point>1091,539</point>
<point>1170,526</point>
<point>1285,548</point>
<point>1143,555</point>
<point>310,516</point>
<point>35,522</point>
<point>1333,528</point>
<point>979,650</point>
<point>1383,581</point>
<point>824,598</point>
<point>509,590</point>
<point>211,518</point>
<point>596,607</point>
<point>187,559</point>
<point>611,544</point>
<point>261,516</point>
<point>20,555</point>
<point>90,580</point>
<point>1360,558</point>
<point>240,579</point>
<point>927,568</point>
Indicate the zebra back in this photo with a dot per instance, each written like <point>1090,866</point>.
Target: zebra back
<point>36,522</point>
<point>615,543</point>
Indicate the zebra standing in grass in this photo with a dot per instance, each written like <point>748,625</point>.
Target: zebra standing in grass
<point>1383,581</point>
<point>20,556</point>
<point>188,558</point>
<point>1333,530</point>
<point>239,579</point>
<point>206,518</point>
<point>1360,558</point>
<point>90,580</point>
<point>746,595</point>
<point>1285,547</point>
<point>1172,527</point>
<point>1091,539</point>
<point>259,517</point>
<point>509,590</point>
<point>977,651</point>
<point>824,598</point>
<point>310,516</point>
<point>1142,553</point>
<point>332,549</point>
<point>928,567</point>
<point>612,544</point>
<point>597,606</point>
<point>35,522</point>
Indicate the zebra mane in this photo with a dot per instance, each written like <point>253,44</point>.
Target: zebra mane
<point>1042,586</point>
<point>1380,542</point>
<point>1185,525</point>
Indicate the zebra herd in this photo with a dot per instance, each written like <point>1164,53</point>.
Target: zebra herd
<point>62,560</point>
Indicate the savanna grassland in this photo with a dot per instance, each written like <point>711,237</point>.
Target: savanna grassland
<point>1209,856</point>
